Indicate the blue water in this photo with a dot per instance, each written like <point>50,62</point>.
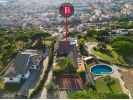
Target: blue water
<point>101,69</point>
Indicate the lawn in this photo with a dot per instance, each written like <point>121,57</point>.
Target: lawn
<point>124,46</point>
<point>102,87</point>
<point>102,91</point>
<point>1,84</point>
<point>12,87</point>
<point>64,65</point>
<point>47,42</point>
<point>9,87</point>
<point>115,58</point>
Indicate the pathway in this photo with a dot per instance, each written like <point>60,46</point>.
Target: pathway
<point>62,94</point>
<point>90,45</point>
<point>118,75</point>
<point>127,77</point>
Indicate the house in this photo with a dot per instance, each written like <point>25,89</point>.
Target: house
<point>21,66</point>
<point>119,32</point>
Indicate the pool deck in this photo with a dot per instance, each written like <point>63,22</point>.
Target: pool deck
<point>126,88</point>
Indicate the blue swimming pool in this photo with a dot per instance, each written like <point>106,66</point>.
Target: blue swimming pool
<point>101,69</point>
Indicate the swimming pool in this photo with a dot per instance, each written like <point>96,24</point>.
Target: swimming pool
<point>101,69</point>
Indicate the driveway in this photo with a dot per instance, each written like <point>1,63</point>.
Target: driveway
<point>89,46</point>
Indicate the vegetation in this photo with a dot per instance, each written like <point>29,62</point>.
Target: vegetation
<point>9,87</point>
<point>73,34</point>
<point>13,40</point>
<point>81,46</point>
<point>12,87</point>
<point>90,94</point>
<point>122,22</point>
<point>2,85</point>
<point>96,33</point>
<point>109,81</point>
<point>102,91</point>
<point>124,47</point>
<point>119,52</point>
<point>64,65</point>
<point>109,55</point>
<point>52,89</point>
<point>41,82</point>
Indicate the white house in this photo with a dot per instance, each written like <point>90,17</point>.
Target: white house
<point>21,66</point>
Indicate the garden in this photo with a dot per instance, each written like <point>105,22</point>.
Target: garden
<point>106,88</point>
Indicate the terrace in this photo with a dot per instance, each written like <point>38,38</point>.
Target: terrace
<point>70,82</point>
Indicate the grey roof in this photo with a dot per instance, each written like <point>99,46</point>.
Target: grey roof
<point>64,48</point>
<point>20,65</point>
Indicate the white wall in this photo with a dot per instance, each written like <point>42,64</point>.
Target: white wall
<point>13,80</point>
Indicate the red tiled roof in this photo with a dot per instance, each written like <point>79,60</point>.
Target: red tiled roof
<point>70,82</point>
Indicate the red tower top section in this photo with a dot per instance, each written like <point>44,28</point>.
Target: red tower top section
<point>66,10</point>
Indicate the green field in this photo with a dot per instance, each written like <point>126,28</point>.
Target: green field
<point>102,87</point>
<point>115,58</point>
<point>102,91</point>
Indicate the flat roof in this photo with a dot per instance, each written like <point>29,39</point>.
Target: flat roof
<point>88,58</point>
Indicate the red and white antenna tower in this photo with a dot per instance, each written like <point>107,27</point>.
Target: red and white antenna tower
<point>66,10</point>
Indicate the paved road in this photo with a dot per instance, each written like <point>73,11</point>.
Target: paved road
<point>32,80</point>
<point>90,45</point>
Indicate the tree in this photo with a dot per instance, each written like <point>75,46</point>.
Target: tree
<point>123,46</point>
<point>109,81</point>
<point>66,65</point>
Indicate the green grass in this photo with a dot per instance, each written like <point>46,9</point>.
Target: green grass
<point>90,39</point>
<point>102,91</point>
<point>9,87</point>
<point>116,87</point>
<point>14,87</point>
<point>47,42</point>
<point>102,87</point>
<point>1,84</point>
<point>115,58</point>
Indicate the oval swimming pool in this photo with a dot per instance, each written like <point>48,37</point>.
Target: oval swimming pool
<point>101,69</point>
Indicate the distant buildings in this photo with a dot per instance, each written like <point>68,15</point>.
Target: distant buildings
<point>119,32</point>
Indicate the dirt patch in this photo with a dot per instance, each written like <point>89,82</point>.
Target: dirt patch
<point>127,77</point>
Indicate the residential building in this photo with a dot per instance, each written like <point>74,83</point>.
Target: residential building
<point>21,66</point>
